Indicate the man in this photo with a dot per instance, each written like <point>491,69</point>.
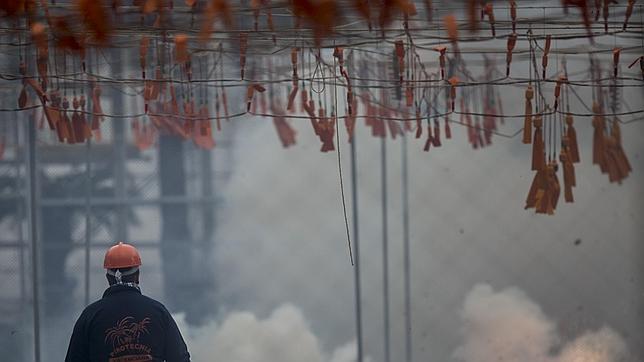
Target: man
<point>125,326</point>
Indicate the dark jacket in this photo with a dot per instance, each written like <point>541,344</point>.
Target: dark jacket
<point>126,326</point>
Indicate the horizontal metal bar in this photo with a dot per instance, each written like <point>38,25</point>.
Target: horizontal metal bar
<point>50,244</point>
<point>130,201</point>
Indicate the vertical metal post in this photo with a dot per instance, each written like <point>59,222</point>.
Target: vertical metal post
<point>22,243</point>
<point>208,209</point>
<point>88,225</point>
<point>119,173</point>
<point>33,231</point>
<point>118,125</point>
<point>405,214</point>
<point>206,191</point>
<point>356,244</point>
<point>385,246</point>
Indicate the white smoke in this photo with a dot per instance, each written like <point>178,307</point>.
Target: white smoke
<point>602,345</point>
<point>504,326</point>
<point>346,353</point>
<point>281,237</point>
<point>508,326</point>
<point>284,336</point>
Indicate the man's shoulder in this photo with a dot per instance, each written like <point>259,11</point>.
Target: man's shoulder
<point>93,306</point>
<point>107,301</point>
<point>154,302</point>
<point>142,302</point>
<point>90,311</point>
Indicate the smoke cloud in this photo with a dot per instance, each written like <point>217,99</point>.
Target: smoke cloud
<point>281,238</point>
<point>508,326</point>
<point>602,345</point>
<point>497,326</point>
<point>284,336</point>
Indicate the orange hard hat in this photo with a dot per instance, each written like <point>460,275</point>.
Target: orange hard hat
<point>120,256</point>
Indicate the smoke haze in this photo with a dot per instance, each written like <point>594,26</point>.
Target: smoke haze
<point>282,240</point>
<point>284,336</point>
<point>284,283</point>
<point>508,326</point>
<point>503,325</point>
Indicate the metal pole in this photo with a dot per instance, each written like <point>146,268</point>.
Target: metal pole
<point>208,209</point>
<point>356,243</point>
<point>405,214</point>
<point>33,230</point>
<point>88,226</point>
<point>119,171</point>
<point>385,246</point>
<point>21,214</point>
<point>118,127</point>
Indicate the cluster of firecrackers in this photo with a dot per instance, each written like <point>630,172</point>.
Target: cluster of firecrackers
<point>608,152</point>
<point>184,80</point>
<point>547,128</point>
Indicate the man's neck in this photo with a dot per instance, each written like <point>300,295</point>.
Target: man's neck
<point>127,284</point>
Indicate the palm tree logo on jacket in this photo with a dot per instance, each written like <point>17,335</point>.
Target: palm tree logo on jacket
<point>127,331</point>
